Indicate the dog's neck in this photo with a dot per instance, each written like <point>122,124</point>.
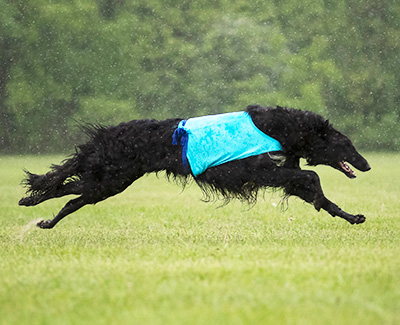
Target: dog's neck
<point>296,130</point>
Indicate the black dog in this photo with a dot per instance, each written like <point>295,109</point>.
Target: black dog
<point>114,157</point>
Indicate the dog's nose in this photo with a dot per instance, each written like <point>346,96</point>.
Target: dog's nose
<point>364,166</point>
<point>367,168</point>
<point>360,163</point>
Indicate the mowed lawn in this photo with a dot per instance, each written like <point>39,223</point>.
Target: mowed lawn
<point>157,255</point>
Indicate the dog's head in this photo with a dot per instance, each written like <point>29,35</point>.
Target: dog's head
<point>331,147</point>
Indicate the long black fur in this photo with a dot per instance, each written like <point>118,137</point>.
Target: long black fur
<point>114,157</point>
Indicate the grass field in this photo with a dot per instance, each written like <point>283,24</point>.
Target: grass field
<point>156,255</point>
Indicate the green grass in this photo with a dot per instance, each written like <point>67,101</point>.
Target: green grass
<point>156,255</point>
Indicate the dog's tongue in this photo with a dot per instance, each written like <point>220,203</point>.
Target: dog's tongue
<point>347,168</point>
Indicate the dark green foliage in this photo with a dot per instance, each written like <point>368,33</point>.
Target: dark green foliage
<point>108,61</point>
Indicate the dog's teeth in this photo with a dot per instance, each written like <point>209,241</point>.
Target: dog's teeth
<point>346,168</point>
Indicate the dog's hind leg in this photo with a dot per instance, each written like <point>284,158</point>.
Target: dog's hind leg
<point>61,180</point>
<point>70,207</point>
<point>67,189</point>
<point>93,196</point>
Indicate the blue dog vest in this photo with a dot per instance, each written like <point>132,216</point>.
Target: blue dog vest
<point>216,139</point>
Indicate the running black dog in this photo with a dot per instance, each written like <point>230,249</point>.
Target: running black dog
<point>114,157</point>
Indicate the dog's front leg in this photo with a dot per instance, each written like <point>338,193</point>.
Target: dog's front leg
<point>307,186</point>
<point>334,211</point>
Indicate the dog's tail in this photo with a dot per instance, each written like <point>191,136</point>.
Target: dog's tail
<point>40,184</point>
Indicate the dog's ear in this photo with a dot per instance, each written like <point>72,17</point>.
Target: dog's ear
<point>323,130</point>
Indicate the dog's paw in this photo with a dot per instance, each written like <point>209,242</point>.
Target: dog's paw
<point>26,201</point>
<point>359,218</point>
<point>44,224</point>
<point>29,201</point>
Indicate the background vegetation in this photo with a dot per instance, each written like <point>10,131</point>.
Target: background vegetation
<point>156,255</point>
<point>63,62</point>
<point>152,255</point>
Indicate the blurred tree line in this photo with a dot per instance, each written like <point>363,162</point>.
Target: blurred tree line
<point>63,63</point>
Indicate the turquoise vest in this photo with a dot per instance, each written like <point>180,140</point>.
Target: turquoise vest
<point>216,139</point>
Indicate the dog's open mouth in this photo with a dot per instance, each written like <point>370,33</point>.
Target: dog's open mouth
<point>347,170</point>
